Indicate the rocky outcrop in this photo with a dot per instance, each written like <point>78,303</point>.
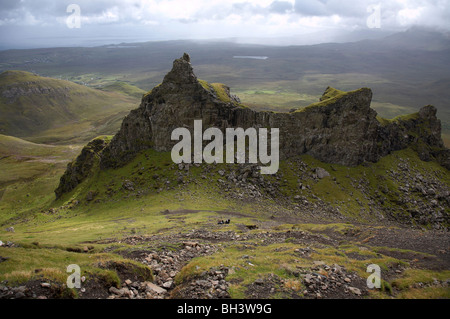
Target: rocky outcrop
<point>421,130</point>
<point>341,128</point>
<point>13,93</point>
<point>177,102</point>
<point>82,166</point>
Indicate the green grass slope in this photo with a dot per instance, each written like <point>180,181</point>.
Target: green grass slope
<point>29,174</point>
<point>49,110</point>
<point>124,88</point>
<point>153,204</point>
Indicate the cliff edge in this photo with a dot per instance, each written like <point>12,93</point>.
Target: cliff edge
<point>342,128</point>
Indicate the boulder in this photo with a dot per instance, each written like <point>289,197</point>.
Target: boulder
<point>154,288</point>
<point>321,173</point>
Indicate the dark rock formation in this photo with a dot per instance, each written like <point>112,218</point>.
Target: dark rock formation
<point>80,169</point>
<point>421,130</point>
<point>341,128</point>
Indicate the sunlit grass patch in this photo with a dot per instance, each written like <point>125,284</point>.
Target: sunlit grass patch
<point>50,264</point>
<point>245,266</point>
<point>412,276</point>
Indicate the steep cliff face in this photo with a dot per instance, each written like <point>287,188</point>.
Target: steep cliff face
<point>82,166</point>
<point>176,102</point>
<point>341,128</point>
<point>421,131</point>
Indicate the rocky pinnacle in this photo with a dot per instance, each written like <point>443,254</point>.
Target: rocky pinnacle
<point>342,128</point>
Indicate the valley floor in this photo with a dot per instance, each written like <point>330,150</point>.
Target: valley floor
<point>194,257</point>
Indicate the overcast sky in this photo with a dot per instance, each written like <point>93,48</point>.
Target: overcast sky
<point>43,23</point>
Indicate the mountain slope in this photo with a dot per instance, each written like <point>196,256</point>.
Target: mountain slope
<point>340,134</point>
<point>31,105</point>
<point>309,231</point>
<point>342,128</point>
<point>124,88</point>
<point>29,173</point>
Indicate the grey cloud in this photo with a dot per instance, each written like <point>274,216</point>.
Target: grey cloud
<point>222,12</point>
<point>47,11</point>
<point>244,8</point>
<point>358,9</point>
<point>311,8</point>
<point>281,7</point>
<point>353,14</point>
<point>187,21</point>
<point>9,4</point>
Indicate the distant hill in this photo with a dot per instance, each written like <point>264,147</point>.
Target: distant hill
<point>52,110</point>
<point>417,38</point>
<point>14,146</point>
<point>21,160</point>
<point>29,172</point>
<point>124,88</point>
<point>406,70</point>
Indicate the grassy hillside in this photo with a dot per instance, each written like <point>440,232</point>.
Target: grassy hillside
<point>310,231</point>
<point>29,174</point>
<point>283,230</point>
<point>49,110</point>
<point>124,88</point>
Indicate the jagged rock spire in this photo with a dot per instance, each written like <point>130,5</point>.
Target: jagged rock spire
<point>341,128</point>
<point>182,72</point>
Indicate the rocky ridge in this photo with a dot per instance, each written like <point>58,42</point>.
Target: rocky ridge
<point>80,168</point>
<point>341,128</point>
